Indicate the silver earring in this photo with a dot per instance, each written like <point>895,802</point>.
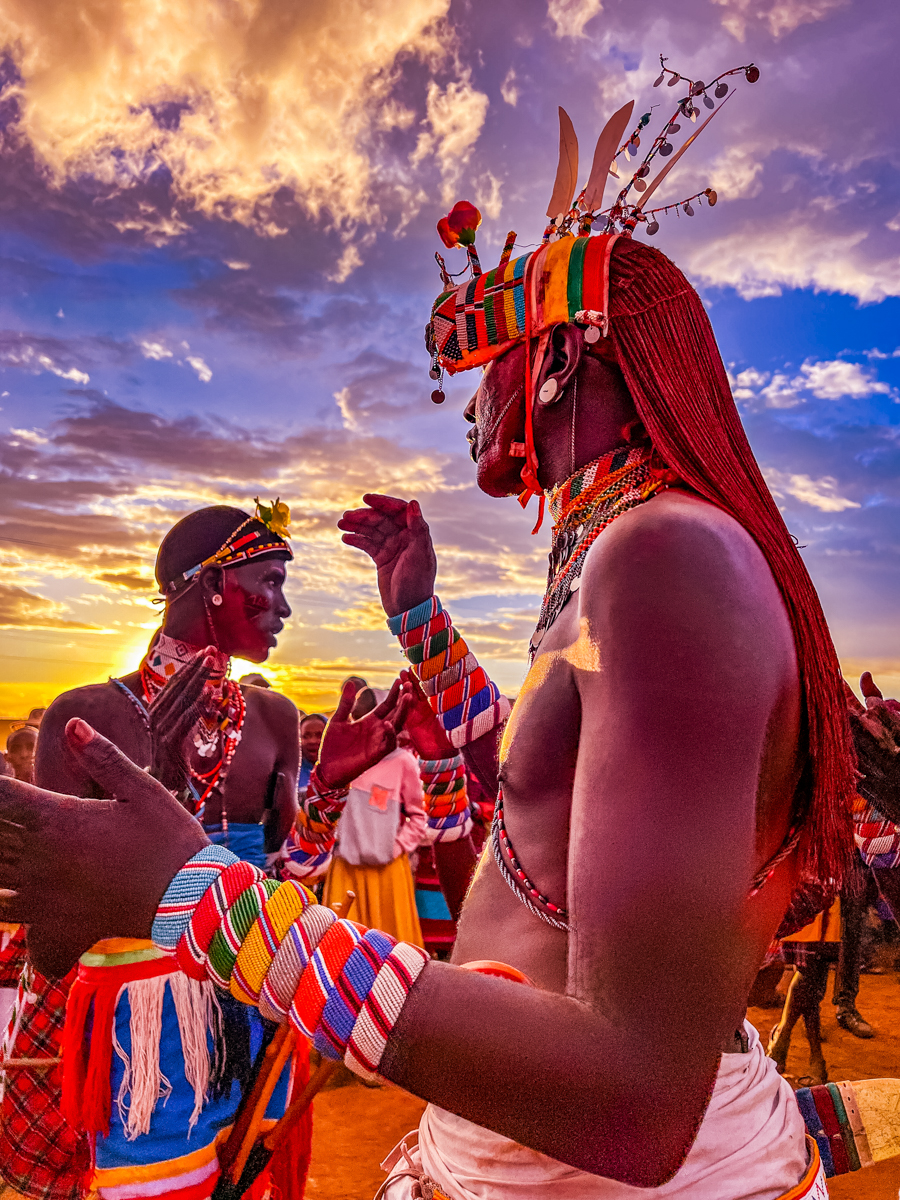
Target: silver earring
<point>548,391</point>
<point>216,599</point>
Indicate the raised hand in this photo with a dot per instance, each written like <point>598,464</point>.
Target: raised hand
<point>351,747</point>
<point>876,739</point>
<point>83,870</point>
<point>424,729</point>
<point>396,537</point>
<point>173,714</point>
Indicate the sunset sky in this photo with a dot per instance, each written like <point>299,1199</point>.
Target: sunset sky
<point>218,228</point>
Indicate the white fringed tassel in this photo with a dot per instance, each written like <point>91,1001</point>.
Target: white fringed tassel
<point>199,1016</point>
<point>142,1076</point>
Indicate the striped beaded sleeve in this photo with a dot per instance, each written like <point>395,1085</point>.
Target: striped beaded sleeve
<point>271,945</point>
<point>465,700</point>
<point>310,844</point>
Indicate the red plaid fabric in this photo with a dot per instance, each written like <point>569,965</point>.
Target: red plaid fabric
<point>40,1154</point>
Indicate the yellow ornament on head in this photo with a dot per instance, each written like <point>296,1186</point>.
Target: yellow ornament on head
<point>275,516</point>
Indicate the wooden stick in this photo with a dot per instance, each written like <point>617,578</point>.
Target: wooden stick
<point>295,1111</point>
<point>29,1064</point>
<point>343,907</point>
<point>258,1111</point>
<point>246,1130</point>
<point>247,1107</point>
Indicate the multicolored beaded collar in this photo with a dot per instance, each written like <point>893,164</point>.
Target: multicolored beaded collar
<point>582,507</point>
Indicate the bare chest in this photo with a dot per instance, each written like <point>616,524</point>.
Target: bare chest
<point>538,760</point>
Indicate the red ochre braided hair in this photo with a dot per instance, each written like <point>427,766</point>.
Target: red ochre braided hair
<point>668,355</point>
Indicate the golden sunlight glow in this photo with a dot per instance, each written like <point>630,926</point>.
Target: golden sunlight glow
<point>236,100</point>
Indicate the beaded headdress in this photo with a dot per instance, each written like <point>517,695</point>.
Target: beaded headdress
<point>566,277</point>
<point>263,533</point>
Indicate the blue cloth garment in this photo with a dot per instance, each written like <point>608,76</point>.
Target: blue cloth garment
<point>246,841</point>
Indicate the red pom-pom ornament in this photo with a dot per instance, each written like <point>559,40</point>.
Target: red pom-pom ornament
<point>459,226</point>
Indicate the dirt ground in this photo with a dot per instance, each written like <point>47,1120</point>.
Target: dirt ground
<point>356,1126</point>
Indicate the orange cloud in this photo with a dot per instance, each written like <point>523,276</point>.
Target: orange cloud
<point>234,100</point>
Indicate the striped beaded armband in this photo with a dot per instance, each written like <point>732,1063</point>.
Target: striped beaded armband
<point>185,891</point>
<point>465,701</point>
<point>446,799</point>
<point>341,985</point>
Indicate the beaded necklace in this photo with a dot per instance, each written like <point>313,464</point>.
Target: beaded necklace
<point>219,726</point>
<point>582,507</point>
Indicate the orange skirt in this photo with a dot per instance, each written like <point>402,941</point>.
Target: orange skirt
<point>385,896</point>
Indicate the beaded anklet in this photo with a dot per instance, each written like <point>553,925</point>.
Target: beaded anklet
<point>446,800</point>
<point>466,702</point>
<point>341,985</point>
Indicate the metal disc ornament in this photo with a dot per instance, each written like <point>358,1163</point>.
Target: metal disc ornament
<point>652,227</point>
<point>639,184</point>
<point>709,102</point>
<point>752,74</point>
<point>711,197</point>
<point>698,88</point>
<point>675,79</point>
<point>592,334</point>
<point>721,90</point>
<point>659,79</point>
<point>666,149</point>
<point>688,208</point>
<point>673,127</point>
<point>437,396</point>
<point>434,373</point>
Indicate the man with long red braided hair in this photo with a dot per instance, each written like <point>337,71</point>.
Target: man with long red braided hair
<point>640,863</point>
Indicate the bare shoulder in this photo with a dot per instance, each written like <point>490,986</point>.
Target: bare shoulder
<point>93,703</point>
<point>273,707</point>
<point>680,536</point>
<point>678,570</point>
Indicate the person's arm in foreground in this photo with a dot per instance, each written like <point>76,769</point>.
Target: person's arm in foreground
<point>613,1077</point>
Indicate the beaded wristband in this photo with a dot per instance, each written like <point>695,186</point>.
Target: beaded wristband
<point>290,961</point>
<point>463,698</point>
<point>381,1008</point>
<point>183,893</point>
<point>228,938</point>
<point>288,902</point>
<point>310,843</point>
<point>193,946</point>
<point>446,799</point>
<point>336,981</point>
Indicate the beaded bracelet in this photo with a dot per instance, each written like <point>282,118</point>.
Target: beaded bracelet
<point>465,701</point>
<point>181,897</point>
<point>342,985</point>
<point>446,799</point>
<point>310,843</point>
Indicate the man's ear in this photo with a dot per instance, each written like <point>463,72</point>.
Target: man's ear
<point>561,361</point>
<point>212,582</point>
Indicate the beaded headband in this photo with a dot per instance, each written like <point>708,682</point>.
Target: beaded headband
<point>242,546</point>
<point>567,278</point>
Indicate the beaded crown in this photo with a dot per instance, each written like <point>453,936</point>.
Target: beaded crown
<point>566,279</point>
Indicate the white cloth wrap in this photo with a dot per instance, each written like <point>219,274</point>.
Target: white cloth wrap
<point>751,1145</point>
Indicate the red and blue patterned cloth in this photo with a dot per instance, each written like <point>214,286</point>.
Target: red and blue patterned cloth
<point>41,1155</point>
